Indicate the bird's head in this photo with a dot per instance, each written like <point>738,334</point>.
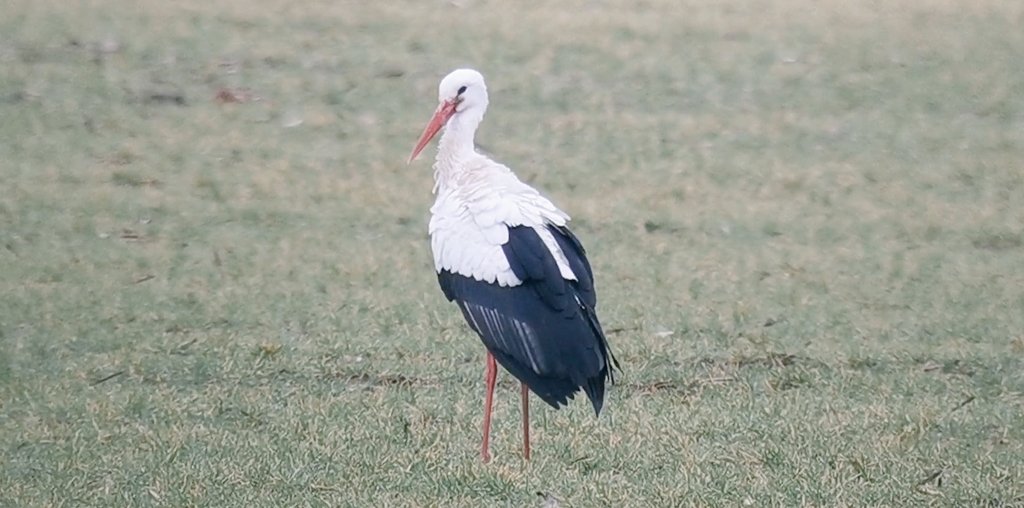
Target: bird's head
<point>461,93</point>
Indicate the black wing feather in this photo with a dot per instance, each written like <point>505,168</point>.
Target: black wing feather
<point>544,331</point>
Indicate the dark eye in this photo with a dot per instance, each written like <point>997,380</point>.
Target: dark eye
<point>461,89</point>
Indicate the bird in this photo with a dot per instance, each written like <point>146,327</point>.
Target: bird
<point>505,255</point>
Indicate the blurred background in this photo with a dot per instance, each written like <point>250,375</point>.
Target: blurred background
<point>806,220</point>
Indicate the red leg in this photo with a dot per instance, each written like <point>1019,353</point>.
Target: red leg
<point>490,374</point>
<point>526,422</point>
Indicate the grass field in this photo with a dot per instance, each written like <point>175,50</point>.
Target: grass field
<point>806,219</point>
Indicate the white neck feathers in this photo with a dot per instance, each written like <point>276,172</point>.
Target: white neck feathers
<point>456,147</point>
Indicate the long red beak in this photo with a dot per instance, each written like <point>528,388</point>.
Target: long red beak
<point>441,116</point>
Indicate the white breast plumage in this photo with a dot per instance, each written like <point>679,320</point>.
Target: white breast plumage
<point>470,221</point>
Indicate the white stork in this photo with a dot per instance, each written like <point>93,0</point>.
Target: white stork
<point>503,253</point>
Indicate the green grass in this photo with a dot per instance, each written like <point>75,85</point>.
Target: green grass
<point>806,219</point>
